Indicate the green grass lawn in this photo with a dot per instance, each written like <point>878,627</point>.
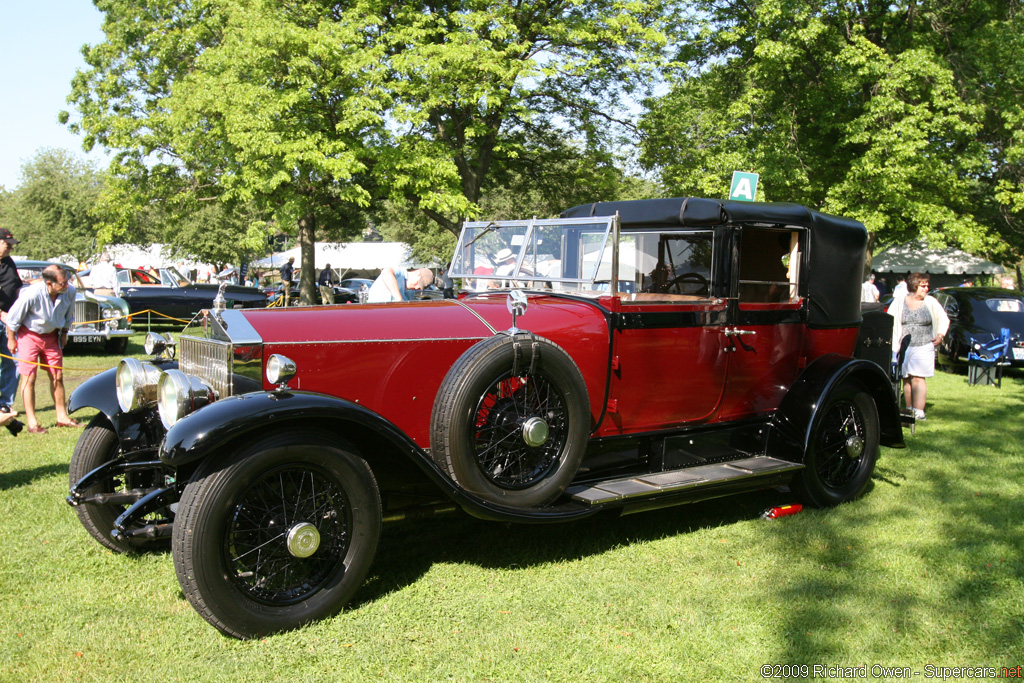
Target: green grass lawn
<point>926,569</point>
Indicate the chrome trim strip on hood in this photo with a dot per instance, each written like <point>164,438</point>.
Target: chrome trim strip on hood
<point>478,316</point>
<point>374,341</point>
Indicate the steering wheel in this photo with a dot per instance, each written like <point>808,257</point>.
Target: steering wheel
<point>678,281</point>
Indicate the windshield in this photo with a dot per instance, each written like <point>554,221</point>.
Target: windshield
<point>172,277</point>
<point>576,254</point>
<point>565,254</point>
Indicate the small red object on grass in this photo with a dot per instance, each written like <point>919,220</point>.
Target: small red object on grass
<point>782,511</point>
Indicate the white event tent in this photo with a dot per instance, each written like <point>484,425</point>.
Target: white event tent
<point>349,259</point>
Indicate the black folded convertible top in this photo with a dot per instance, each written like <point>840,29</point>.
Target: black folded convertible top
<point>835,256</point>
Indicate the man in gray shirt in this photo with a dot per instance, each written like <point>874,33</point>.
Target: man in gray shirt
<point>37,327</point>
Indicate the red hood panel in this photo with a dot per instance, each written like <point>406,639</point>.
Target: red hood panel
<point>392,358</point>
<point>367,322</point>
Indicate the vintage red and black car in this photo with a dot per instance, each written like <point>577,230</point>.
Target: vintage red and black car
<point>624,357</point>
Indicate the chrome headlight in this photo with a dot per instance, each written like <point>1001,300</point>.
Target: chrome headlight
<point>136,384</point>
<point>280,369</point>
<point>157,343</point>
<point>110,318</point>
<point>179,394</point>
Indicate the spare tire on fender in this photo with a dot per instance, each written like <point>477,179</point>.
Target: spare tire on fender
<point>511,420</point>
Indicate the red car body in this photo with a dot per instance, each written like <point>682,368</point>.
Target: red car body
<point>627,356</point>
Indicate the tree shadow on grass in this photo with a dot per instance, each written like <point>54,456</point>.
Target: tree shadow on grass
<point>951,578</point>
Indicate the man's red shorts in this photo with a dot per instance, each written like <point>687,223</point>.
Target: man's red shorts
<point>32,346</point>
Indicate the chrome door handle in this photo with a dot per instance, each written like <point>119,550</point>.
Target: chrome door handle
<point>737,332</point>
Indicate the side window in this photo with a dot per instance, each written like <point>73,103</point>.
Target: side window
<point>769,265</point>
<point>666,266</point>
<point>951,306</point>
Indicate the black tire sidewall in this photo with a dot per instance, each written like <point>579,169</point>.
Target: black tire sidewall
<point>97,445</point>
<point>468,379</point>
<point>203,517</point>
<point>810,485</point>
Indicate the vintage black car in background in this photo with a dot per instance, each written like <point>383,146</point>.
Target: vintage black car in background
<point>99,320</point>
<point>977,318</point>
<point>650,353</point>
<point>173,297</point>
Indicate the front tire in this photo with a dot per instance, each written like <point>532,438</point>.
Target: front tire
<point>116,346</point>
<point>843,449</point>
<point>280,534</point>
<point>97,445</point>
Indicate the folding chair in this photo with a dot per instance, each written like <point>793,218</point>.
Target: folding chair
<point>985,361</point>
<point>907,416</point>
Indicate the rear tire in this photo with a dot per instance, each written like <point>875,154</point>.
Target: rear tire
<point>245,524</point>
<point>843,449</point>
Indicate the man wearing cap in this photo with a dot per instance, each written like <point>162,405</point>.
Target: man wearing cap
<point>37,327</point>
<point>398,285</point>
<point>104,277</point>
<point>10,285</point>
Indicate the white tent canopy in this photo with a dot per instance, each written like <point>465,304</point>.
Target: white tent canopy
<point>352,257</point>
<point>919,258</point>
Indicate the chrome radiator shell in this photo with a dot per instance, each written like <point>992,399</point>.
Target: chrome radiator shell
<point>209,359</point>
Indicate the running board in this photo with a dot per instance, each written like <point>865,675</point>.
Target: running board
<point>679,481</point>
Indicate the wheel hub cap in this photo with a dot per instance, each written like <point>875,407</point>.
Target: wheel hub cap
<point>535,432</point>
<point>854,446</point>
<point>303,540</point>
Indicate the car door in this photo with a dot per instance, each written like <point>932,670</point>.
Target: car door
<point>143,292</point>
<point>765,329</point>
<point>668,364</point>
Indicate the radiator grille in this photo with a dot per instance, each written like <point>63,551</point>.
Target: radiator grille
<point>87,312</point>
<point>208,359</point>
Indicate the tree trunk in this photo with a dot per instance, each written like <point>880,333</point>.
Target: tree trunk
<point>307,277</point>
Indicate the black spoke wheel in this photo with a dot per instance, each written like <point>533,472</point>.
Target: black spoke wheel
<point>511,419</point>
<point>503,412</point>
<point>279,535</point>
<point>98,445</point>
<point>843,449</point>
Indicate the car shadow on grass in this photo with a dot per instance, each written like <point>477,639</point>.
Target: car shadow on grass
<point>18,478</point>
<point>408,550</point>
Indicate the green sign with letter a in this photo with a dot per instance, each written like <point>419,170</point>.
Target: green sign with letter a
<point>744,187</point>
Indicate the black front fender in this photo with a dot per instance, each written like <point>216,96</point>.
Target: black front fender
<point>97,392</point>
<point>216,427</point>
<point>202,433</point>
<point>800,409</point>
<point>134,430</point>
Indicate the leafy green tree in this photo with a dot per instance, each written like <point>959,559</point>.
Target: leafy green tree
<point>240,103</point>
<point>882,111</point>
<point>51,209</point>
<point>311,110</point>
<point>553,179</point>
<point>489,91</point>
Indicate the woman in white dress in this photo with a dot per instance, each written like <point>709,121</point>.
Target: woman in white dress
<point>921,316</point>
